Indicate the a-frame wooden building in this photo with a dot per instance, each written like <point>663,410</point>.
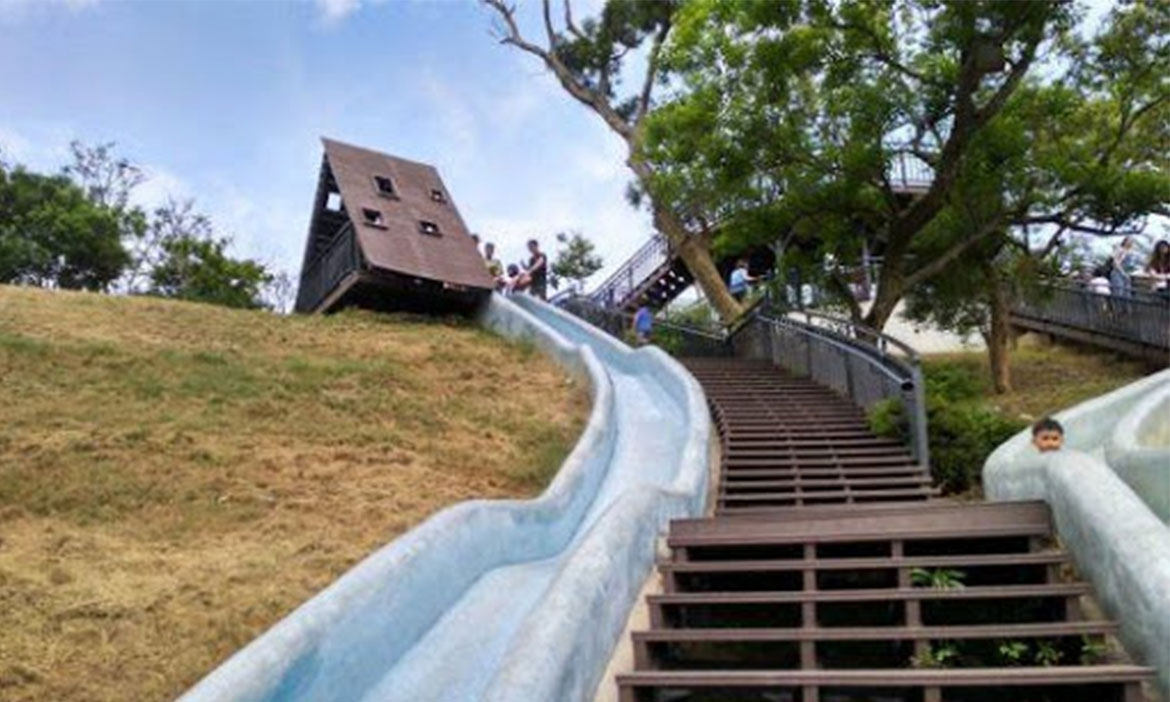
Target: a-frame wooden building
<point>385,234</point>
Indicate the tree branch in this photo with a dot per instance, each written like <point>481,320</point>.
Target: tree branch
<point>577,90</point>
<point>939,264</point>
<point>651,73</point>
<point>569,25</point>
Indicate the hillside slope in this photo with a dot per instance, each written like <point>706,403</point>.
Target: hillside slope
<point>174,478</point>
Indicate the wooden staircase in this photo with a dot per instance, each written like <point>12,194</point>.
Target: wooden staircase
<point>831,572</point>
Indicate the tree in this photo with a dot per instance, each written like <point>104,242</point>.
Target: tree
<point>1083,156</point>
<point>587,59</point>
<point>576,261</point>
<point>197,269</point>
<point>794,119</point>
<point>51,235</point>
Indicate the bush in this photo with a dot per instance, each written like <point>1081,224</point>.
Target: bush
<point>962,436</point>
<point>961,431</point>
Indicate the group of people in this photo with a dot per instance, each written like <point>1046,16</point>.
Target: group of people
<point>1118,273</point>
<point>530,277</point>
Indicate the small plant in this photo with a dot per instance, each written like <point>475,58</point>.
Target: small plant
<point>940,655</point>
<point>938,578</point>
<point>1047,654</point>
<point>1012,652</point>
<point>1093,651</point>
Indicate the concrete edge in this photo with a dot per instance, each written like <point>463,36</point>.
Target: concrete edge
<point>1143,466</point>
<point>563,650</point>
<point>1117,541</point>
<point>477,535</point>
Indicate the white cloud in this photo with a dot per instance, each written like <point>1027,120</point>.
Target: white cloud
<point>333,11</point>
<point>12,11</point>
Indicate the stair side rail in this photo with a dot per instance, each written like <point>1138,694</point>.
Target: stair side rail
<point>858,362</point>
<point>618,287</point>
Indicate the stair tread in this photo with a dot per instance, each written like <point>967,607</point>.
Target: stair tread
<point>974,560</point>
<point>949,677</point>
<point>920,593</point>
<point>854,633</point>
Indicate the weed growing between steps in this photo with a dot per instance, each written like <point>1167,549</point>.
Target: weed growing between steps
<point>174,478</point>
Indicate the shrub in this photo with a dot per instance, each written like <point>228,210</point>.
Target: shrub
<point>962,432</point>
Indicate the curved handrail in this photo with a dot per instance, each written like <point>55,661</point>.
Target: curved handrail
<point>848,357</point>
<point>891,366</point>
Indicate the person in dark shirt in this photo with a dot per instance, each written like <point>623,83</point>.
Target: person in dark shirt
<point>537,270</point>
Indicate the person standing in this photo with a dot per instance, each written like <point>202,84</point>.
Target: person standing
<point>1158,267</point>
<point>1125,264</point>
<point>537,270</point>
<point>738,282</point>
<point>495,268</point>
<point>643,324</point>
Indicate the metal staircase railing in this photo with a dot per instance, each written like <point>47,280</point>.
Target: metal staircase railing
<point>654,255</point>
<point>1138,320</point>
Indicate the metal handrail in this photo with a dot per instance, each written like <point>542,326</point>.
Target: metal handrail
<point>847,357</point>
<point>629,274</point>
<point>1140,319</point>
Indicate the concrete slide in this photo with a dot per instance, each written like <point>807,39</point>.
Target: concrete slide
<point>1109,491</point>
<point>505,601</point>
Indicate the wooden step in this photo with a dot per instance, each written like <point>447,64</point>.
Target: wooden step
<point>992,592</point>
<point>737,484</point>
<point>1046,558</point>
<point>1128,677</point>
<point>882,633</point>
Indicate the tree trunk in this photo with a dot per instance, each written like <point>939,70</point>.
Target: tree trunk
<point>999,337</point>
<point>695,252</point>
<point>889,294</point>
<point>702,267</point>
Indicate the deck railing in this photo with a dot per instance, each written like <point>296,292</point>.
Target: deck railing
<point>632,274</point>
<point>1140,318</point>
<point>860,363</point>
<point>678,339</point>
<point>322,275</point>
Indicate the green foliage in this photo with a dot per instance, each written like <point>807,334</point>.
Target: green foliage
<point>1093,651</point>
<point>937,578</point>
<point>52,235</point>
<point>1048,654</point>
<point>962,436</point>
<point>962,432</point>
<point>1012,653</point>
<point>199,270</point>
<point>943,654</point>
<point>788,119</point>
<point>575,261</point>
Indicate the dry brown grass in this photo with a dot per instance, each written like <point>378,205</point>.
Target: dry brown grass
<point>1048,379</point>
<point>174,478</point>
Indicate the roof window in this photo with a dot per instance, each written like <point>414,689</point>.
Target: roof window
<point>429,228</point>
<point>373,217</point>
<point>333,202</point>
<point>385,186</point>
<point>438,196</point>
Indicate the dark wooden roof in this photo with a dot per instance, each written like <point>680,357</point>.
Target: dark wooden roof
<point>400,245</point>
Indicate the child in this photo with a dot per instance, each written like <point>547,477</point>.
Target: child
<point>739,281</point>
<point>643,324</point>
<point>1047,435</point>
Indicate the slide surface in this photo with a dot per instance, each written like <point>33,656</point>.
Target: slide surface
<point>506,600</point>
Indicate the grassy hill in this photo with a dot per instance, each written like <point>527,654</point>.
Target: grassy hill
<point>174,478</point>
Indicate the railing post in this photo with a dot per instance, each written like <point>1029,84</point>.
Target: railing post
<point>919,430</point>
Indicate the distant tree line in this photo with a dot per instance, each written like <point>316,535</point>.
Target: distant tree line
<point>79,230</point>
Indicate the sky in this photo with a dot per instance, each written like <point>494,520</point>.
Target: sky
<point>225,102</point>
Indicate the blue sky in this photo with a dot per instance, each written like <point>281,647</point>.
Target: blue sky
<point>225,102</point>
